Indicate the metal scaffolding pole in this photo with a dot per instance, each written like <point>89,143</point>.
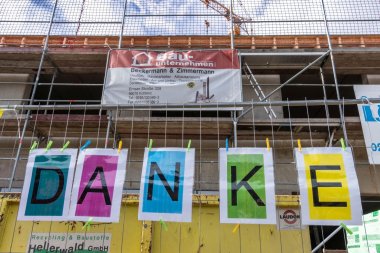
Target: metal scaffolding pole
<point>234,121</point>
<point>326,239</point>
<point>287,82</point>
<point>227,105</point>
<point>108,127</point>
<point>122,25</point>
<point>334,71</point>
<point>324,91</point>
<point>232,26</point>
<point>44,51</point>
<point>51,87</point>
<point>105,75</point>
<point>109,112</point>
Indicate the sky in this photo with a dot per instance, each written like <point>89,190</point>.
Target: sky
<point>187,17</point>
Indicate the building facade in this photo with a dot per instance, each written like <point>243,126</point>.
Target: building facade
<point>299,62</point>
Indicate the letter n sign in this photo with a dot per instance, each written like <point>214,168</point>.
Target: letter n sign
<point>47,185</point>
<point>247,186</point>
<point>329,187</point>
<point>98,185</point>
<point>167,184</point>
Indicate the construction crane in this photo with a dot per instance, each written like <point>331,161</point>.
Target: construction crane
<point>223,10</point>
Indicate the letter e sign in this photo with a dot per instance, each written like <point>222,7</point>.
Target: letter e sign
<point>329,188</point>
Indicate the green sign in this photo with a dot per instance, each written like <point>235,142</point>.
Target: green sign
<point>365,238</point>
<point>246,186</point>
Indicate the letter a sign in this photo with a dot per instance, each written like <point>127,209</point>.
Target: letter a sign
<point>167,184</point>
<point>98,185</point>
<point>328,186</point>
<point>247,186</point>
<point>47,185</point>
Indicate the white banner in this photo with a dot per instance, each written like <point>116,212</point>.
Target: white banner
<point>47,185</point>
<point>370,119</point>
<point>246,186</point>
<point>329,188</point>
<point>166,188</point>
<point>154,77</point>
<point>69,242</point>
<point>98,185</point>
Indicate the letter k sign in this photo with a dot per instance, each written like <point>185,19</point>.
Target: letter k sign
<point>244,182</point>
<point>246,186</point>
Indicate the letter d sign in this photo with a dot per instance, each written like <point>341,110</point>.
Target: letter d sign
<point>47,185</point>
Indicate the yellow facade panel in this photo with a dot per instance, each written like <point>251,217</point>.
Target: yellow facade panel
<point>203,234</point>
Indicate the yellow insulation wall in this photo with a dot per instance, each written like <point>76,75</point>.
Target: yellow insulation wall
<point>203,234</point>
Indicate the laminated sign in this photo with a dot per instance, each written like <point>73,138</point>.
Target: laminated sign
<point>247,186</point>
<point>47,185</point>
<point>328,187</point>
<point>167,184</point>
<point>98,185</point>
<point>365,238</point>
<point>370,120</point>
<point>156,77</point>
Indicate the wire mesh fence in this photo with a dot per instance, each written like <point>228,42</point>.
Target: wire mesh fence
<point>353,17</point>
<point>194,17</point>
<point>135,127</point>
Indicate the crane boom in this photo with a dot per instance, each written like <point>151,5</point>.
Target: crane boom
<point>223,10</point>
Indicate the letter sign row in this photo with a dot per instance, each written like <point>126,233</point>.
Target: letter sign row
<point>50,194</point>
<point>329,191</point>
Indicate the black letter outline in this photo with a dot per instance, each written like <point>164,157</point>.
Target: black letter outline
<point>173,193</point>
<point>36,185</point>
<point>315,185</point>
<point>104,188</point>
<point>235,187</point>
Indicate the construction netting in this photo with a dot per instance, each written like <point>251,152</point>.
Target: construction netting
<point>193,17</point>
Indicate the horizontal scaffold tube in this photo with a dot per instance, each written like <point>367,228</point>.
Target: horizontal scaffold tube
<point>195,106</point>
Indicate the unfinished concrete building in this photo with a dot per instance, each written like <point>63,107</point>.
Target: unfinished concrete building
<point>299,62</point>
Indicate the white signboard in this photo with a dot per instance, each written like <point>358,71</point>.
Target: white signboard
<point>370,119</point>
<point>289,218</point>
<point>69,242</point>
<point>156,77</point>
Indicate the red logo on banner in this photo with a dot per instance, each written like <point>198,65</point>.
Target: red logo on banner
<point>290,217</point>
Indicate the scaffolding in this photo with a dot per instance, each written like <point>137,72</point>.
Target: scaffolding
<point>55,38</point>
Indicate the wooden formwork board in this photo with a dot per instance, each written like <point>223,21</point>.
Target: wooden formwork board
<point>183,42</point>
